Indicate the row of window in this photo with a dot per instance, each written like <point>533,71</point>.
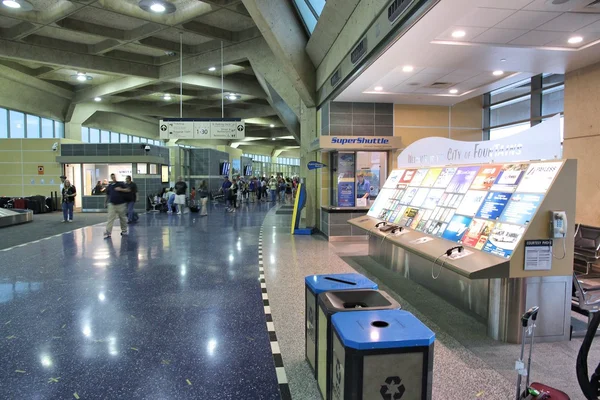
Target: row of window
<point>18,125</point>
<point>267,159</point>
<point>310,11</point>
<point>93,135</point>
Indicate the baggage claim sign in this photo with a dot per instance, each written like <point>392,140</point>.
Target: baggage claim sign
<point>202,128</point>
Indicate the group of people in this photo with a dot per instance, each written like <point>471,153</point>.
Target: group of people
<point>174,197</point>
<point>254,189</point>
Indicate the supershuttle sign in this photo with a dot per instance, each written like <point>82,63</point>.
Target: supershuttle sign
<point>356,143</point>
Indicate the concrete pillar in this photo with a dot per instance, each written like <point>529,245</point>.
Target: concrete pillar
<point>308,132</point>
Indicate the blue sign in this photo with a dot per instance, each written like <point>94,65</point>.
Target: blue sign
<point>346,194</point>
<point>521,208</point>
<point>493,205</point>
<point>315,165</point>
<point>457,228</point>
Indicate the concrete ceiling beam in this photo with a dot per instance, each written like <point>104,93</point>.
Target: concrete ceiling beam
<point>18,31</point>
<point>90,28</point>
<point>254,112</point>
<point>208,31</point>
<point>24,78</point>
<point>104,46</point>
<point>167,45</point>
<point>285,36</point>
<point>74,60</point>
<point>142,31</point>
<point>111,88</point>
<point>229,84</point>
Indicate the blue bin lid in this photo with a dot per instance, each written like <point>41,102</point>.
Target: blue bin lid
<point>357,331</point>
<point>324,283</point>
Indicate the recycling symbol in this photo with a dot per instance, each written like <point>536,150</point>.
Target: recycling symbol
<point>311,323</point>
<point>163,128</point>
<point>240,128</point>
<point>337,379</point>
<point>393,388</point>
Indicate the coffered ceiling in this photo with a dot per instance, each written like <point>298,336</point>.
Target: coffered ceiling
<point>133,56</point>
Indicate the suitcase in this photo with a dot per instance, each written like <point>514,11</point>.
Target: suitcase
<point>535,391</point>
<point>20,204</point>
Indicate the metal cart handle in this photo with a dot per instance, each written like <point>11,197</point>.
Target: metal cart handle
<point>529,314</point>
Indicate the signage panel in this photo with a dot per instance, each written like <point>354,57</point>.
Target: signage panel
<point>356,143</point>
<point>189,128</point>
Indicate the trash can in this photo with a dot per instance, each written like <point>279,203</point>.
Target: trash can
<point>381,355</point>
<point>333,302</point>
<point>315,285</point>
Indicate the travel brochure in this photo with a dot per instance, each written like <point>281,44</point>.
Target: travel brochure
<point>484,207</point>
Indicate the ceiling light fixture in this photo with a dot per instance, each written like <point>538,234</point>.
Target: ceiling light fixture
<point>458,34</point>
<point>575,39</point>
<point>273,138</point>
<point>97,98</point>
<point>407,68</point>
<point>272,126</point>
<point>503,60</point>
<point>378,88</point>
<point>82,77</point>
<point>11,4</point>
<point>232,96</point>
<point>498,73</point>
<point>212,69</point>
<point>453,91</point>
<point>167,97</point>
<point>157,6</point>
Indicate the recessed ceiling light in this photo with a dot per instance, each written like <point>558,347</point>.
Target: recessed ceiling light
<point>82,77</point>
<point>407,68</point>
<point>273,138</point>
<point>232,96</point>
<point>458,34</point>
<point>167,97</point>
<point>378,88</point>
<point>212,69</point>
<point>97,98</point>
<point>498,73</point>
<point>503,60</point>
<point>272,126</point>
<point>11,4</point>
<point>157,6</point>
<point>575,39</point>
<point>453,91</point>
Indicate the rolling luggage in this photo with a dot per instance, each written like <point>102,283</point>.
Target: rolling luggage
<point>535,391</point>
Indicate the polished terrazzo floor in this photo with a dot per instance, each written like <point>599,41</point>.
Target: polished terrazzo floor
<point>172,311</point>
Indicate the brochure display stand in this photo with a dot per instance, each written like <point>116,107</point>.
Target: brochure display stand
<point>482,237</point>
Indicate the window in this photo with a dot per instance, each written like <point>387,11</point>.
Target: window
<point>85,134</point>
<point>553,100</point>
<point>135,139</point>
<point>511,111</point>
<point>124,138</point>
<point>498,133</point>
<point>47,128</point>
<point>59,129</point>
<point>153,169</point>
<point>508,92</point>
<point>142,168</point>
<point>114,137</point>
<point>17,125</point>
<point>309,11</point>
<point>33,127</point>
<point>3,123</point>
<point>104,137</point>
<point>94,135</point>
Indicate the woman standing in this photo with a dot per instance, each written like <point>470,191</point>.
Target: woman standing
<point>203,194</point>
<point>68,195</point>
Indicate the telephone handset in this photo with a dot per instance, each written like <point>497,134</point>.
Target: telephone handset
<point>558,224</point>
<point>377,225</point>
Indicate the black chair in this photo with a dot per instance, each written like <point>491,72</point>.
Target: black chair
<point>587,245</point>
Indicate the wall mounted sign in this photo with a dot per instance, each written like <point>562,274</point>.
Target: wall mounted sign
<point>190,128</point>
<point>538,255</point>
<point>315,165</point>
<point>541,142</point>
<point>356,143</point>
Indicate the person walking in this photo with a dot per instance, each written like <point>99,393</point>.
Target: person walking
<point>288,191</point>
<point>116,193</point>
<point>180,190</point>
<point>68,200</point>
<point>170,200</point>
<point>273,189</point>
<point>203,194</point>
<point>132,198</point>
<point>225,189</point>
<point>233,192</point>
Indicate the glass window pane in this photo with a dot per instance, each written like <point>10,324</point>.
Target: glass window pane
<point>3,123</point>
<point>144,140</point>
<point>135,139</point>
<point>94,135</point>
<point>317,5</point>
<point>512,111</point>
<point>17,125</point>
<point>59,129</point>
<point>85,134</point>
<point>505,131</point>
<point>153,169</point>
<point>142,169</point>
<point>124,138</point>
<point>114,137</point>
<point>552,79</point>
<point>104,137</point>
<point>47,128</point>
<point>510,91</point>
<point>33,127</point>
<point>553,100</point>
<point>307,16</point>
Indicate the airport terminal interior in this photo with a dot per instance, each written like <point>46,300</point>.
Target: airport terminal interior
<point>299,199</point>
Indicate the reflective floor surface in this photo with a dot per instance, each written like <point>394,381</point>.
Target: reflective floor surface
<point>172,311</point>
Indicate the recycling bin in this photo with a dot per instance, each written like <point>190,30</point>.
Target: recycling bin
<point>334,302</point>
<point>315,285</point>
<point>381,355</point>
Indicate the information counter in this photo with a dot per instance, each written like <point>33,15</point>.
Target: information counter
<point>481,237</point>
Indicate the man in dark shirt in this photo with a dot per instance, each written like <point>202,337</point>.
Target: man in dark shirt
<point>68,193</point>
<point>116,199</point>
<point>225,188</point>
<point>180,190</point>
<point>133,197</point>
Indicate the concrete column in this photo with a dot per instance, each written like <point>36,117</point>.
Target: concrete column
<point>308,132</point>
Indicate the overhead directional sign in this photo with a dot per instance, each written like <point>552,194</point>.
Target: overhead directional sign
<point>191,128</point>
